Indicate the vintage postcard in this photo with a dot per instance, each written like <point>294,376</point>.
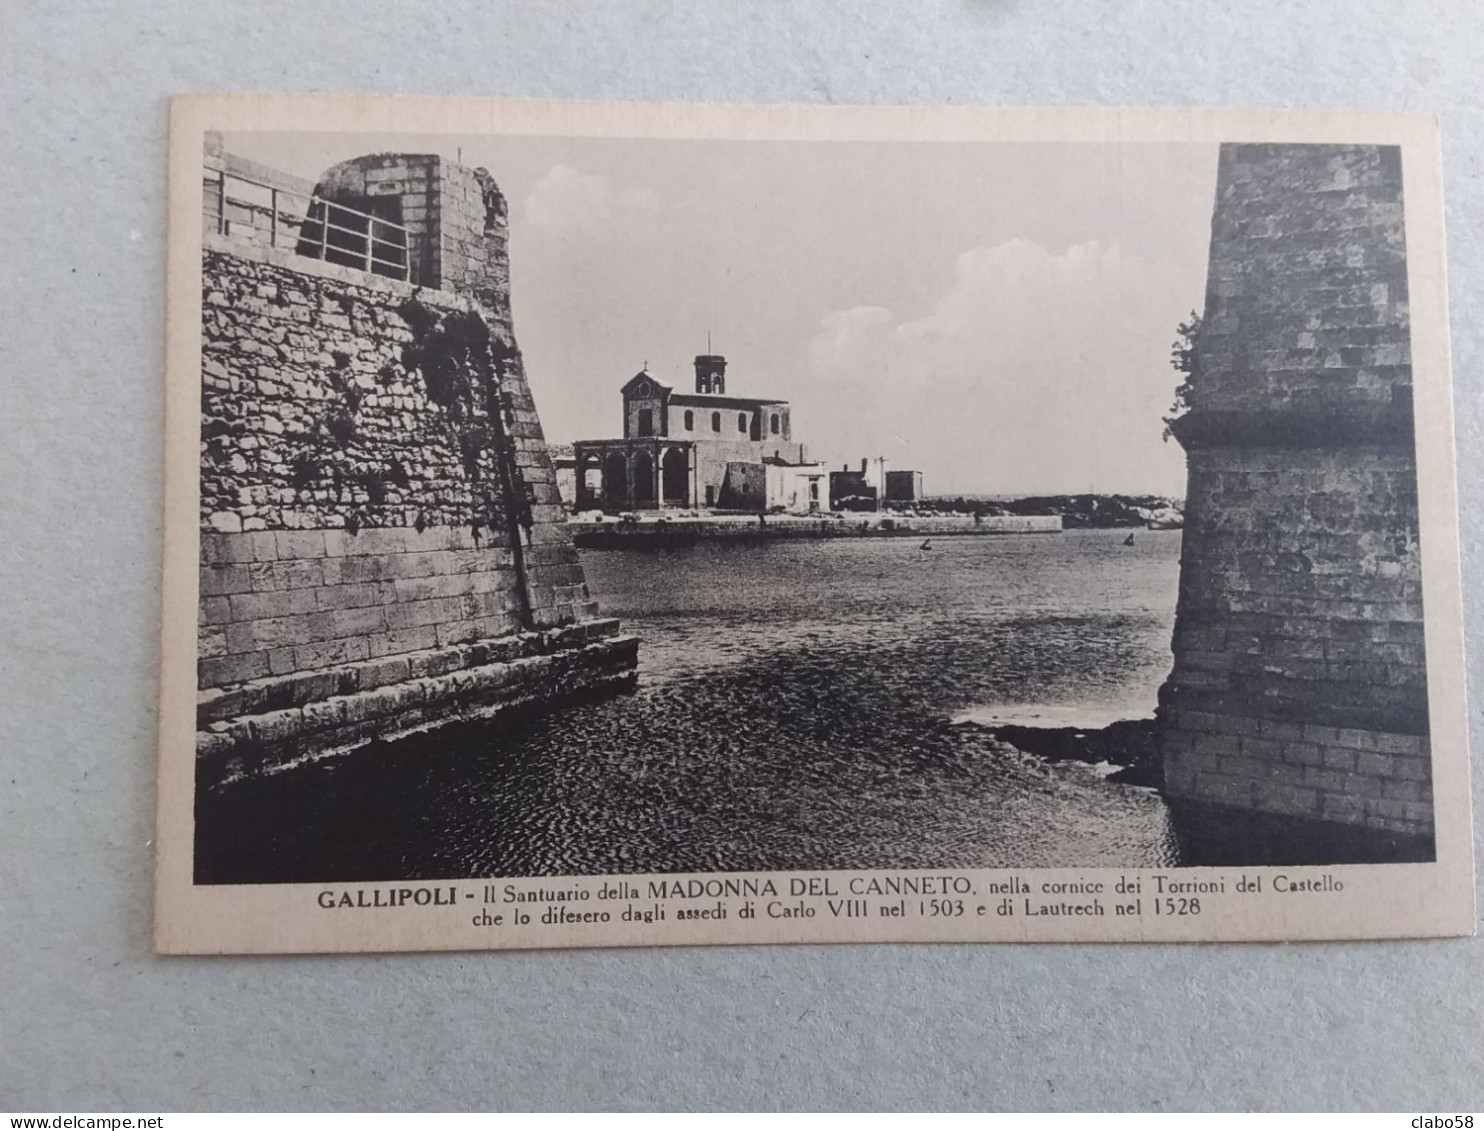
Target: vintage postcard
<point>598,524</point>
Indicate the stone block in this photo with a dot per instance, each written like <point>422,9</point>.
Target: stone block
<point>1222,790</point>
<point>1413,745</point>
<point>437,585</point>
<point>490,581</point>
<point>480,561</point>
<point>414,614</point>
<point>1321,735</point>
<point>277,726</point>
<point>1337,758</point>
<point>550,617</point>
<point>1376,765</point>
<point>380,702</point>
<point>214,610</point>
<point>597,628</point>
<point>223,670</point>
<point>1394,790</point>
<point>216,704</point>
<point>1284,797</point>
<point>354,596</point>
<point>225,549</point>
<point>211,641</point>
<point>273,603</point>
<point>323,714</point>
<point>382,672</point>
<point>354,570</point>
<point>1221,745</point>
<point>1331,781</point>
<point>457,632</point>
<point>291,544</point>
<point>264,545</point>
<point>219,580</point>
<point>436,538</point>
<point>396,641</point>
<point>1412,769</point>
<point>337,623</point>
<point>268,576</point>
<point>411,565</point>
<point>1241,767</point>
<point>494,604</point>
<point>329,653</point>
<point>306,687</point>
<point>340,543</point>
<point>1263,750</point>
<point>281,632</point>
<point>1343,807</point>
<point>436,662</point>
<point>496,625</point>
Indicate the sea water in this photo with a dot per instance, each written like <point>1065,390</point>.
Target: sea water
<point>800,705</point>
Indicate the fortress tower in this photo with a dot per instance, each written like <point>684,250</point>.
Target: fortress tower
<point>383,544</point>
<point>1298,699</point>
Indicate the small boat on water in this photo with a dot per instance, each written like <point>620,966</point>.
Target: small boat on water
<point>927,545</point>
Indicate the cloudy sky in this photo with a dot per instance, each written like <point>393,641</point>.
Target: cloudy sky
<point>998,316</point>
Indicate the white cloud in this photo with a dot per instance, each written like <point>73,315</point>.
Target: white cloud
<point>568,200</point>
<point>1033,371</point>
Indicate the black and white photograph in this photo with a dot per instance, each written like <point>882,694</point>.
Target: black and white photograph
<point>581,505</point>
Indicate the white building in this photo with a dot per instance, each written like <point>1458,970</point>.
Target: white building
<point>796,488</point>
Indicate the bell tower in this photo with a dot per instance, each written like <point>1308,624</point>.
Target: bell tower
<point>711,374</point>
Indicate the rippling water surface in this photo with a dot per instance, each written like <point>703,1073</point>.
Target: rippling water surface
<point>801,705</point>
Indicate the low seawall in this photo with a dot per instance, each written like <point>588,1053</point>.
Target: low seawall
<point>270,724</point>
<point>614,533</point>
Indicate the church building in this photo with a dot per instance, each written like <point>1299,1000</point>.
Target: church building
<point>688,449</point>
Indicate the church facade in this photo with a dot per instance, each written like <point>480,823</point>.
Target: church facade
<point>690,449</point>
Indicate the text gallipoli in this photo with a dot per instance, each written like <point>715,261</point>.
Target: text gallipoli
<point>658,889</point>
<point>814,886</point>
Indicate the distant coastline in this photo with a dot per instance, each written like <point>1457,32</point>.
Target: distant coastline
<point>651,528</point>
<point>961,515</point>
<point>1078,512</point>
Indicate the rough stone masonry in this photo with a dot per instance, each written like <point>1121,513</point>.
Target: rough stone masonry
<point>383,548</point>
<point>1299,688</point>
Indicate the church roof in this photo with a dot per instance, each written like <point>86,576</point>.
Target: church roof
<point>644,375</point>
<point>713,400</point>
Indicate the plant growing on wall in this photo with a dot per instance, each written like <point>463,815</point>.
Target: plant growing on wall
<point>1183,359</point>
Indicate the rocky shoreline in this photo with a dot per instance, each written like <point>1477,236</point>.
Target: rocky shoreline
<point>1128,744</point>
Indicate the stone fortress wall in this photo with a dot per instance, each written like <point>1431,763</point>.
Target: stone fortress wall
<point>383,545</point>
<point>1299,685</point>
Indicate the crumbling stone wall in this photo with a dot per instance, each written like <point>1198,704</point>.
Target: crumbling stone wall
<point>350,506</point>
<point>1299,685</point>
<point>315,413</point>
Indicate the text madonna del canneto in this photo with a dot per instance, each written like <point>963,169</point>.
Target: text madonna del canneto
<point>885,896</point>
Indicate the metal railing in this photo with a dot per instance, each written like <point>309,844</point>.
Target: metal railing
<point>236,205</point>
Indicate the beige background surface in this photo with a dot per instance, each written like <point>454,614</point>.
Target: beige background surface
<point>91,1020</point>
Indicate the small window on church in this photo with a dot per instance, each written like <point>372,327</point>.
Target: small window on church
<point>741,422</point>
<point>646,422</point>
<point>716,422</point>
<point>773,424</point>
<point>690,421</point>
